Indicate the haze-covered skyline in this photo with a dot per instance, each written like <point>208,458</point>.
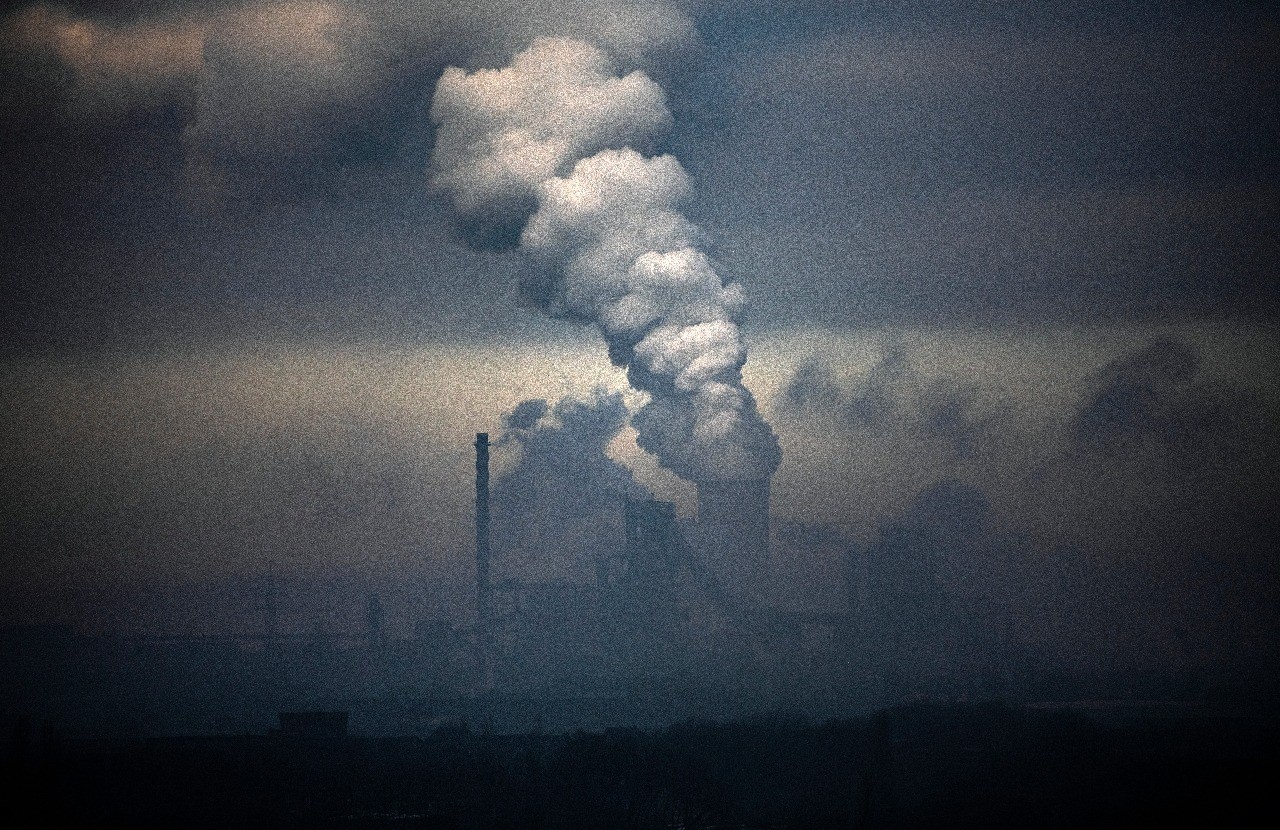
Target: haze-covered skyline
<point>1010,280</point>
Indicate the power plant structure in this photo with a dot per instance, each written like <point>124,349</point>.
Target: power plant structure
<point>590,592</point>
<point>645,619</point>
<point>659,596</point>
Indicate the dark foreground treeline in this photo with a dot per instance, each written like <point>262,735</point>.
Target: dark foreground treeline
<point>914,766</point>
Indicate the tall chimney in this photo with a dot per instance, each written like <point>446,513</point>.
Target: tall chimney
<point>482,527</point>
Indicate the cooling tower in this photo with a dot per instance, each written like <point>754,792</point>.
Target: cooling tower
<point>733,527</point>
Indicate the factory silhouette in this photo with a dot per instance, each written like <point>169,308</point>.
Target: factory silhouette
<point>645,618</point>
<point>590,604</point>
<point>644,676</point>
<point>633,616</point>
<point>644,604</point>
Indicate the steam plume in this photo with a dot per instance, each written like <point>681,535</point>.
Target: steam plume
<point>554,135</point>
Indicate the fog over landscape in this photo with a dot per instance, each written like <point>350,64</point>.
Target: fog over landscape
<point>986,291</point>
<point>685,413</point>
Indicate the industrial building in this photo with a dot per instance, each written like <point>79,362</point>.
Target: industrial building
<point>668,599</point>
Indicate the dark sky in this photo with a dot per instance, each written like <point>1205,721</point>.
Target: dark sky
<point>1027,247</point>
<point>176,173</point>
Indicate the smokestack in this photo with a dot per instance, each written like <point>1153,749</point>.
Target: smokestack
<point>733,525</point>
<point>482,527</point>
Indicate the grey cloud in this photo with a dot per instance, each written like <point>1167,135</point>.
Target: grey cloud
<point>562,452</point>
<point>894,398</point>
<point>525,415</point>
<point>1103,530</point>
<point>813,385</point>
<point>282,89</point>
<point>558,511</point>
<point>954,168</point>
<point>1166,456</point>
<point>874,401</point>
<point>864,166</point>
<point>1024,104</point>
<point>488,32</point>
<point>1137,394</point>
<point>273,73</point>
<point>99,67</point>
<point>1160,393</point>
<point>950,414</point>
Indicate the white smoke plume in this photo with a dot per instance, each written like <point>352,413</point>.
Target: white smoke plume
<point>555,135</point>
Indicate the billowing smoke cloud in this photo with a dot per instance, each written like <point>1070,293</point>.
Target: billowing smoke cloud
<point>506,131</point>
<point>558,511</point>
<point>612,247</point>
